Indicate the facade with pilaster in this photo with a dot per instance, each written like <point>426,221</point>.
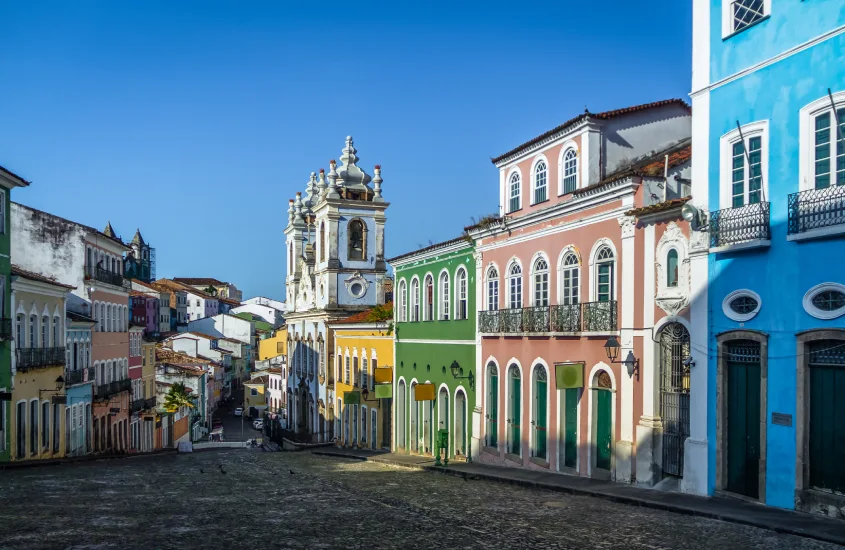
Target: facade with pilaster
<point>571,307</point>
<point>335,268</point>
<point>769,192</point>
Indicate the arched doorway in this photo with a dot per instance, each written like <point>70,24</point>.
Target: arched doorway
<point>415,413</point>
<point>602,387</point>
<point>374,429</point>
<point>460,423</point>
<point>539,438</point>
<point>346,440</point>
<point>492,405</point>
<point>302,422</point>
<point>401,407</point>
<point>443,412</point>
<point>427,425</point>
<point>674,396</point>
<point>514,411</point>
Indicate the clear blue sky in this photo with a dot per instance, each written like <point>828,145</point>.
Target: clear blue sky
<point>197,121</point>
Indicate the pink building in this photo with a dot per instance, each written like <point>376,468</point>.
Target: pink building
<point>588,228</point>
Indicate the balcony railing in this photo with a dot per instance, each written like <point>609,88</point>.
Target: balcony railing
<point>738,225</point>
<point>110,277</point>
<point>35,358</point>
<point>586,317</point>
<point>137,405</point>
<point>73,377</point>
<point>107,390</point>
<point>816,209</point>
<point>150,403</point>
<point>5,329</point>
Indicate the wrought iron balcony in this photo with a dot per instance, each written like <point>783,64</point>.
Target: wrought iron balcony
<point>92,374</point>
<point>137,405</point>
<point>585,317</point>
<point>110,277</point>
<point>35,358</point>
<point>5,329</point>
<point>104,391</point>
<point>598,316</point>
<point>566,318</point>
<point>816,209</point>
<point>740,225</point>
<point>73,377</point>
<point>150,403</point>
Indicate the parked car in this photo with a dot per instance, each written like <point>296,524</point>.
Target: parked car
<point>258,424</point>
<point>239,411</point>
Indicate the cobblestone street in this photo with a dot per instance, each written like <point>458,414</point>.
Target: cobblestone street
<point>185,501</point>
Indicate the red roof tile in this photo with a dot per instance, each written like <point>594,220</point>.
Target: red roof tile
<point>32,276</point>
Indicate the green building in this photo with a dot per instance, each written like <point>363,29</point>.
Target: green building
<point>435,339</point>
<point>8,180</point>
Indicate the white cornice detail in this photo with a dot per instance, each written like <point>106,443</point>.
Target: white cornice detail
<point>548,142</point>
<point>438,342</point>
<point>431,254</point>
<point>771,61</point>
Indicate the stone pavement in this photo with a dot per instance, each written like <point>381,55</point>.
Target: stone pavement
<point>300,500</point>
<point>719,508</point>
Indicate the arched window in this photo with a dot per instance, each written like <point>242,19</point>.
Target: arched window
<point>570,279</point>
<point>322,241</point>
<point>540,408</point>
<point>364,373</point>
<point>492,289</point>
<point>415,300</point>
<point>348,377</point>
<point>21,330</point>
<point>540,182</point>
<point>605,264</point>
<point>428,312</point>
<point>355,371</point>
<point>33,334</point>
<point>356,241</point>
<point>672,268</point>
<point>102,317</point>
<point>89,263</point>
<point>570,171</point>
<point>444,296</point>
<point>463,304</point>
<point>513,204</point>
<point>403,302</point>
<point>515,286</point>
<point>541,283</point>
<point>492,405</point>
<point>45,332</point>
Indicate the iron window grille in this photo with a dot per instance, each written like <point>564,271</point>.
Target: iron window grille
<point>816,208</point>
<point>743,305</point>
<point>585,317</point>
<point>746,13</point>
<point>33,358</point>
<point>737,225</point>
<point>829,300</point>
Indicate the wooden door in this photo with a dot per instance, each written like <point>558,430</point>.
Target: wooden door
<point>540,425</point>
<point>514,441</point>
<point>570,437</point>
<point>493,411</point>
<point>827,415</point>
<point>603,428</point>
<point>743,425</point>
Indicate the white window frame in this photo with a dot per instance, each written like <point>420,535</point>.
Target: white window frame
<point>561,166</point>
<point>429,315</point>
<point>492,289</point>
<point>753,129</point>
<point>727,17</point>
<point>509,195</point>
<point>403,301</point>
<point>594,269</point>
<point>415,299</point>
<point>576,268</point>
<point>509,277</point>
<point>807,141</point>
<point>444,305</point>
<point>461,285</point>
<point>810,308</point>
<point>741,317</point>
<point>540,159</point>
<point>535,280</point>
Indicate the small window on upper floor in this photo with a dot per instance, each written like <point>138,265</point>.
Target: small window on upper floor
<point>513,190</point>
<point>738,15</point>
<point>540,182</point>
<point>744,165</point>
<point>357,243</point>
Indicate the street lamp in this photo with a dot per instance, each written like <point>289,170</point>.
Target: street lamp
<point>457,371</point>
<point>364,393</point>
<point>611,347</point>
<point>60,383</point>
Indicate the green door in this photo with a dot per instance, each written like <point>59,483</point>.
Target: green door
<point>540,426</point>
<point>570,437</point>
<point>515,413</point>
<point>493,414</point>
<point>743,421</point>
<point>603,429</point>
<point>827,415</point>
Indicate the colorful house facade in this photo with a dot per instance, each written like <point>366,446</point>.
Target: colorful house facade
<point>769,193</point>
<point>79,382</point>
<point>363,380</point>
<point>8,181</point>
<point>573,298</point>
<point>436,352</point>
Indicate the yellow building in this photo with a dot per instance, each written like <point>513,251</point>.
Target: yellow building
<point>148,383</point>
<point>273,346</point>
<point>363,380</point>
<point>38,423</point>
<point>255,401</point>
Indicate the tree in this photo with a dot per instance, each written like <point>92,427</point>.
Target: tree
<point>211,290</point>
<point>177,397</point>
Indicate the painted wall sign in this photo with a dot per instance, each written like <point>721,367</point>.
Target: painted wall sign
<point>384,375</point>
<point>352,398</point>
<point>569,375</point>
<point>424,392</point>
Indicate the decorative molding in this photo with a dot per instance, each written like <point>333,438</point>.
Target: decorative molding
<point>628,225</point>
<point>810,308</point>
<point>741,317</point>
<point>675,299</point>
<point>357,278</point>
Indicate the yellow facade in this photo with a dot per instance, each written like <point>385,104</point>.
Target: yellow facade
<point>358,347</point>
<point>254,395</point>
<point>274,346</point>
<point>42,421</point>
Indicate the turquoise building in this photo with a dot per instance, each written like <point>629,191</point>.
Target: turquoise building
<point>768,264</point>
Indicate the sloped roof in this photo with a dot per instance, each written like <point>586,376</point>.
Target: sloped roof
<point>15,176</point>
<point>258,380</point>
<point>32,276</point>
<point>587,114</point>
<point>176,286</point>
<point>362,317</point>
<point>659,207</point>
<point>205,281</point>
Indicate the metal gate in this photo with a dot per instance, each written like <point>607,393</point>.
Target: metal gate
<point>674,396</point>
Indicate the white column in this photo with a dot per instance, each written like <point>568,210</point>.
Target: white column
<point>624,447</point>
<point>477,412</point>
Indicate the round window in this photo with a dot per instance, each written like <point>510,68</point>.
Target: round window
<point>357,289</point>
<point>741,305</point>
<point>825,301</point>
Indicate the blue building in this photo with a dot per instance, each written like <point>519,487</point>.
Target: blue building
<point>79,383</point>
<point>768,383</point>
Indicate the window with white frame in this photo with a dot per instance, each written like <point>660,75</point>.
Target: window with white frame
<point>570,279</point>
<point>45,332</point>
<point>403,302</point>
<point>744,165</point>
<point>541,283</point>
<point>540,182</point>
<point>829,148</point>
<point>570,171</point>
<point>428,305</point>
<point>444,296</point>
<point>21,330</point>
<point>515,286</point>
<point>738,15</point>
<point>605,267</point>
<point>33,335</point>
<point>513,186</point>
<point>462,310</point>
<point>415,300</point>
<point>492,289</point>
